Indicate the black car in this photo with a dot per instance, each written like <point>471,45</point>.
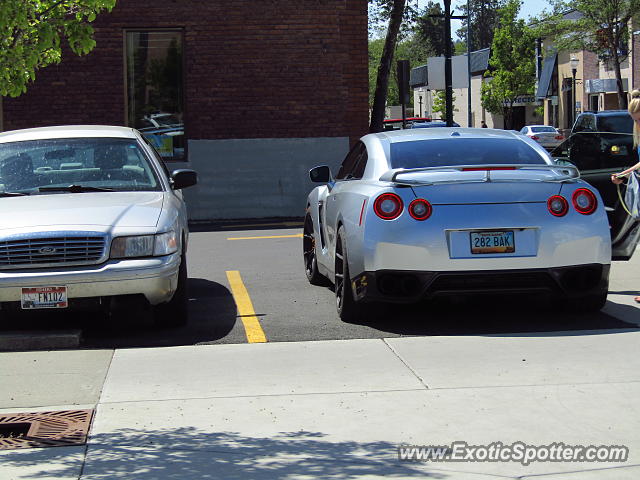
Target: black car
<point>602,144</point>
<point>616,121</point>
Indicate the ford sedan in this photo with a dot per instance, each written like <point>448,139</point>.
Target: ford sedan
<point>91,216</point>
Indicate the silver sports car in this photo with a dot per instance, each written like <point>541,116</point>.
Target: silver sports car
<point>417,213</point>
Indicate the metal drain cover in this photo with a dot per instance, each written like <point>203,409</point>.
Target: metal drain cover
<point>44,429</point>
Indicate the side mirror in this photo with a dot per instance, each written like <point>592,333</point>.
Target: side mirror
<point>563,162</point>
<point>321,174</point>
<point>183,178</point>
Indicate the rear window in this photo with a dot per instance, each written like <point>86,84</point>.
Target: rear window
<point>543,129</point>
<point>462,151</point>
<point>615,123</point>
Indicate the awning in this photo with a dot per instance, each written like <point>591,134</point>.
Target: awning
<point>545,77</point>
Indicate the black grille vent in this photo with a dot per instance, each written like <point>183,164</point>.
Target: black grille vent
<point>489,281</point>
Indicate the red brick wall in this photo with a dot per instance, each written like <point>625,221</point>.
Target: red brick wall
<point>253,69</point>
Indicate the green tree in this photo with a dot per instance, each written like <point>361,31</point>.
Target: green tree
<point>484,21</point>
<point>602,28</point>
<point>396,11</point>
<point>430,29</point>
<point>31,32</point>
<point>440,105</point>
<point>512,64</point>
<point>407,49</point>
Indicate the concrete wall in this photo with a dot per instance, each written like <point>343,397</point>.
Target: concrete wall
<point>256,178</point>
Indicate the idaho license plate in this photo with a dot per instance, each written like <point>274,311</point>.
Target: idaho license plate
<point>44,297</point>
<point>493,242</point>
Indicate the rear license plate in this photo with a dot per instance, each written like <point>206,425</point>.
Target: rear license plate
<point>44,297</point>
<point>493,242</point>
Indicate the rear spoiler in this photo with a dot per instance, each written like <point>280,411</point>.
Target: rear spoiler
<point>566,173</point>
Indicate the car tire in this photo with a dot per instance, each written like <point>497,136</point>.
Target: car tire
<point>348,309</point>
<point>175,312</point>
<point>309,254</point>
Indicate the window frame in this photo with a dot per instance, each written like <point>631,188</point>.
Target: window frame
<point>354,155</point>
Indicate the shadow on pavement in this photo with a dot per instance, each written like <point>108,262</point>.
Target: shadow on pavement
<point>492,315</point>
<point>188,453</point>
<point>212,315</point>
<point>248,224</point>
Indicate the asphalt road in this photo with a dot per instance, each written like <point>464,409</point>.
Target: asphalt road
<point>247,284</point>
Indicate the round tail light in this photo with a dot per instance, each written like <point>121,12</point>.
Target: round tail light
<point>558,206</point>
<point>388,206</point>
<point>420,209</point>
<point>584,201</point>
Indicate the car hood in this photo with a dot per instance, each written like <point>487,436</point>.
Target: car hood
<point>122,209</point>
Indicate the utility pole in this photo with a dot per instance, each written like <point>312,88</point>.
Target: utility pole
<point>448,81</point>
<point>469,116</point>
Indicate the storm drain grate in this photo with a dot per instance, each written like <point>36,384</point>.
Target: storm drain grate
<point>44,429</point>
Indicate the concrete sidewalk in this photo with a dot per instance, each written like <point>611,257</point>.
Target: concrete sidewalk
<point>332,409</point>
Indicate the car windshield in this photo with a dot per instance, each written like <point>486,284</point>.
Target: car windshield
<point>543,129</point>
<point>93,163</point>
<point>615,123</point>
<point>463,151</point>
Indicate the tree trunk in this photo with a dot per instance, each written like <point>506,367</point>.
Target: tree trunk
<point>508,117</point>
<point>382,81</point>
<point>622,97</point>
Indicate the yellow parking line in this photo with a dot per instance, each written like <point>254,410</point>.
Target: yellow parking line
<point>252,327</point>
<point>297,235</point>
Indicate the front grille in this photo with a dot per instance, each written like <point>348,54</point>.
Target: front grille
<point>35,252</point>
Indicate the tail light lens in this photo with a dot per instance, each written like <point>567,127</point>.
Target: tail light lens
<point>584,201</point>
<point>559,137</point>
<point>420,209</point>
<point>558,206</point>
<point>535,137</point>
<point>388,206</point>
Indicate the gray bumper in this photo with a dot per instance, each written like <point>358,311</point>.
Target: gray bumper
<point>155,278</point>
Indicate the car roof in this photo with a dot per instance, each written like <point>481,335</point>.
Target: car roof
<point>414,134</point>
<point>67,131</point>
<point>607,113</point>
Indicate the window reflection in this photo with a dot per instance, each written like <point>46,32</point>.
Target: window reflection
<point>154,89</point>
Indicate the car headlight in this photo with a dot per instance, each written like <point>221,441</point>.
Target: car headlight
<point>144,245</point>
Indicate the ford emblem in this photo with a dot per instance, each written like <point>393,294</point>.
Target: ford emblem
<point>47,250</point>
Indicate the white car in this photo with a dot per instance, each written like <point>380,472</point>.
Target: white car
<point>545,135</point>
<point>413,214</point>
<point>91,216</point>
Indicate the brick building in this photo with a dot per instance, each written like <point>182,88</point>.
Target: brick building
<point>259,91</point>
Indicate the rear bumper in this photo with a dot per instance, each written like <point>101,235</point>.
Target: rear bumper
<point>412,286</point>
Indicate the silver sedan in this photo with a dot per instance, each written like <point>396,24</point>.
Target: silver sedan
<point>91,216</point>
<point>414,214</point>
<point>545,135</point>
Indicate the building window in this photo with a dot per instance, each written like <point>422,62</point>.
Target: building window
<point>155,89</point>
